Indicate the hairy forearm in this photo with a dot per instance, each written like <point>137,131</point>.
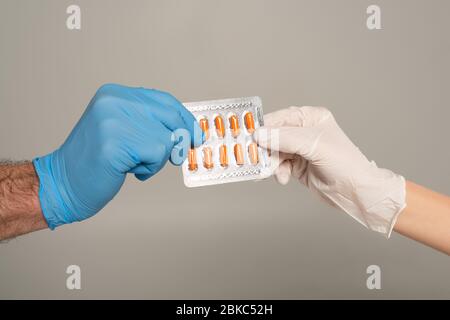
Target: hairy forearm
<point>20,210</point>
<point>426,217</point>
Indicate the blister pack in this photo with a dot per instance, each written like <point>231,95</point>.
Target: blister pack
<point>229,153</point>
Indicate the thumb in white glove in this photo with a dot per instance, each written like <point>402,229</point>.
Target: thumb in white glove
<point>315,150</point>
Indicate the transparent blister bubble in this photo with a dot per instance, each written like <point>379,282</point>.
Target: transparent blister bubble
<point>215,171</point>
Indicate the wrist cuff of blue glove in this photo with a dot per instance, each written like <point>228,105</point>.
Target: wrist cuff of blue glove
<point>52,205</point>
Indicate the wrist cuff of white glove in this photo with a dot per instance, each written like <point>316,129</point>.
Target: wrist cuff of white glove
<point>382,216</point>
<point>376,204</point>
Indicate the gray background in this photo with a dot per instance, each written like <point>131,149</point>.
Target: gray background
<point>389,90</point>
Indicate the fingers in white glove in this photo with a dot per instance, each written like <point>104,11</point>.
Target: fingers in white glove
<point>293,140</point>
<point>283,172</point>
<point>297,117</point>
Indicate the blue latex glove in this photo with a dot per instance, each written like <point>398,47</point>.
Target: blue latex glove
<point>123,130</point>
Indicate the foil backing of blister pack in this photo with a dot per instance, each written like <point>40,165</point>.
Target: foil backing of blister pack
<point>233,172</point>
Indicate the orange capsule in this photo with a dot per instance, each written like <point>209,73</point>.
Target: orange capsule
<point>220,127</point>
<point>205,127</point>
<point>207,158</point>
<point>192,160</point>
<point>253,153</point>
<point>238,154</point>
<point>249,122</point>
<point>234,125</point>
<point>223,156</point>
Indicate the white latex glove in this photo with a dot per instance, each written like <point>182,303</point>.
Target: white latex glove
<point>315,150</point>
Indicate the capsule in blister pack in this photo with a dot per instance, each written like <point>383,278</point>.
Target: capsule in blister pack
<point>229,153</point>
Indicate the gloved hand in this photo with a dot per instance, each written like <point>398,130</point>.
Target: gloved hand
<point>315,150</point>
<point>123,130</point>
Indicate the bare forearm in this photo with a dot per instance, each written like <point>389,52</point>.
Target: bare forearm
<point>426,217</point>
<point>20,210</point>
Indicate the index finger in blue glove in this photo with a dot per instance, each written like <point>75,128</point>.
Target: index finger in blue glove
<point>189,119</point>
<point>169,117</point>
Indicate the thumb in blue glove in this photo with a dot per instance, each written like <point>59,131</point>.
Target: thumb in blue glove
<point>123,130</point>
